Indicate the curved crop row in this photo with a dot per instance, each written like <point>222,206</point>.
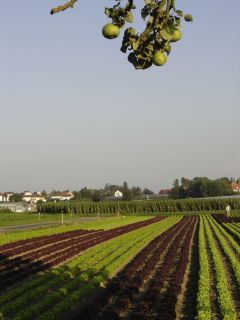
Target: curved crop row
<point>224,295</point>
<point>86,261</point>
<point>222,218</point>
<point>24,299</point>
<point>25,267</point>
<point>234,261</point>
<point>223,229</point>
<point>203,298</point>
<point>109,268</point>
<point>104,223</point>
<point>235,214</point>
<point>66,286</point>
<point>123,288</point>
<point>27,245</point>
<point>236,226</point>
<point>230,228</point>
<point>166,309</point>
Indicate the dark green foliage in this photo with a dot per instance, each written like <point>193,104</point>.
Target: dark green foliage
<point>139,206</point>
<point>5,210</point>
<point>201,187</point>
<point>162,19</point>
<point>147,191</point>
<point>97,196</point>
<point>16,197</point>
<point>127,193</point>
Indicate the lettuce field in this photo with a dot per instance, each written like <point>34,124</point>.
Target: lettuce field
<point>162,267</point>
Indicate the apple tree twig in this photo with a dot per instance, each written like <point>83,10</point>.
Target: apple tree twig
<point>63,7</point>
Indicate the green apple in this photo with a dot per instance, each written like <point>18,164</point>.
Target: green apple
<point>159,58</point>
<point>110,31</point>
<point>177,35</point>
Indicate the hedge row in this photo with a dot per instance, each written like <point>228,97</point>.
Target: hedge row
<point>145,206</point>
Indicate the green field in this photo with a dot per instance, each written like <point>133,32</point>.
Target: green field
<point>103,223</point>
<point>180,267</point>
<point>16,219</point>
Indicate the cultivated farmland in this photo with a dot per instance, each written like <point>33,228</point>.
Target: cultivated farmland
<point>178,267</point>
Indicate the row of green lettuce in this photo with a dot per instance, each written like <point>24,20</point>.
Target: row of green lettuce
<point>145,206</point>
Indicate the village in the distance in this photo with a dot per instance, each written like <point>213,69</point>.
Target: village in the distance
<point>199,187</point>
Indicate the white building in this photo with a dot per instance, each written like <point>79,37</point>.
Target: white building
<point>33,197</point>
<point>62,196</point>
<point>18,206</point>
<point>5,196</point>
<point>118,194</point>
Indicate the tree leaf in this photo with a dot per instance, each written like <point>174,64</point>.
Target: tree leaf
<point>135,45</point>
<point>131,31</point>
<point>177,22</point>
<point>179,12</point>
<point>150,20</point>
<point>144,12</point>
<point>167,48</point>
<point>129,17</point>
<point>169,26</point>
<point>107,12</point>
<point>165,35</point>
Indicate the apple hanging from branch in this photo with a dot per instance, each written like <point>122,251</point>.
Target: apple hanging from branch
<point>154,43</point>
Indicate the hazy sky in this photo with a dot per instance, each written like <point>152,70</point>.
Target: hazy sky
<point>75,113</point>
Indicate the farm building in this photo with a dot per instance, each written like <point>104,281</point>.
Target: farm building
<point>18,206</point>
<point>235,187</point>
<point>118,194</point>
<point>62,196</point>
<point>5,196</point>
<point>33,197</point>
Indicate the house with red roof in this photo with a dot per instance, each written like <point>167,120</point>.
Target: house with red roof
<point>235,187</point>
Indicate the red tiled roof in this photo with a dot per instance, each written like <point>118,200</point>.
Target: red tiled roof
<point>62,194</point>
<point>235,186</point>
<point>165,191</point>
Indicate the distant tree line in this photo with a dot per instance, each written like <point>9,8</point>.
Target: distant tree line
<point>141,206</point>
<point>108,191</point>
<point>201,187</point>
<point>97,195</point>
<point>198,187</point>
<point>16,197</point>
